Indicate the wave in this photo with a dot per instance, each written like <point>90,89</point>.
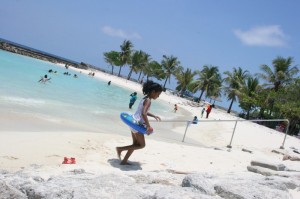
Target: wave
<point>97,112</point>
<point>22,101</point>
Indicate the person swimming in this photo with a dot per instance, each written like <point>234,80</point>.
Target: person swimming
<point>44,79</point>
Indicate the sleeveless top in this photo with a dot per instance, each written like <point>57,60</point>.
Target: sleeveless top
<point>138,114</point>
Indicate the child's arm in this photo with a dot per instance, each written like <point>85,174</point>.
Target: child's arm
<point>151,115</point>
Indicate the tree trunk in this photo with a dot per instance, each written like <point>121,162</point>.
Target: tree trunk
<point>165,82</point>
<point>112,69</point>
<point>248,114</point>
<point>140,76</point>
<point>202,91</point>
<point>271,108</point>
<point>119,71</point>
<point>129,75</point>
<point>261,113</point>
<point>182,92</point>
<point>230,106</point>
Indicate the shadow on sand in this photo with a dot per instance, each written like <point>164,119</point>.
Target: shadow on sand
<point>134,166</point>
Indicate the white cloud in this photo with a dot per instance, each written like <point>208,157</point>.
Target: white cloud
<point>120,33</point>
<point>262,36</point>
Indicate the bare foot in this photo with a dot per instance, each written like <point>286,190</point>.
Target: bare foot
<point>125,163</point>
<point>119,153</point>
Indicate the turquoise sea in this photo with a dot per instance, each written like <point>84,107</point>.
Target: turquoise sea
<point>82,103</point>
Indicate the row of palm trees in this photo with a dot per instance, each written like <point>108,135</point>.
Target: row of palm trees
<point>238,85</point>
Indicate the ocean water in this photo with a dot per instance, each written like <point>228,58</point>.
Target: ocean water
<point>83,103</point>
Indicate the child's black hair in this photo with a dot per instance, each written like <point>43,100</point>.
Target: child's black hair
<point>151,86</point>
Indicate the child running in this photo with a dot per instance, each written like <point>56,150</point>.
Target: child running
<point>151,90</point>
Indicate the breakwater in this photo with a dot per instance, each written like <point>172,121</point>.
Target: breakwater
<point>37,54</point>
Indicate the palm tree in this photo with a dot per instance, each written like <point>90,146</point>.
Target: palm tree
<point>169,65</point>
<point>154,69</point>
<point>207,76</point>
<point>215,89</point>
<point>136,61</point>
<point>184,78</point>
<point>125,53</point>
<point>282,75</point>
<point>112,58</point>
<point>144,63</point>
<point>248,94</point>
<point>234,81</point>
<point>289,105</point>
<point>283,72</point>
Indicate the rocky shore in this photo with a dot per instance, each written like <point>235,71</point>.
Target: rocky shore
<point>19,49</point>
<point>79,183</point>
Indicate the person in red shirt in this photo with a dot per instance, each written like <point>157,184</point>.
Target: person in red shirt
<point>208,110</point>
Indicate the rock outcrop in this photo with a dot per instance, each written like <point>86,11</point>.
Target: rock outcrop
<point>139,184</point>
<point>14,48</point>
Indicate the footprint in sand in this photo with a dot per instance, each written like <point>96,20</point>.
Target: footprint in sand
<point>49,156</point>
<point>10,157</point>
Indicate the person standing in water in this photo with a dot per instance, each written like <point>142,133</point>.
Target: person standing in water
<point>175,108</point>
<point>151,90</point>
<point>44,79</point>
<point>132,99</point>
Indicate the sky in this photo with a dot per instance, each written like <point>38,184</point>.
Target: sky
<point>227,34</point>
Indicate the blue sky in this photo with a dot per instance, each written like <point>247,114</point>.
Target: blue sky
<point>227,34</point>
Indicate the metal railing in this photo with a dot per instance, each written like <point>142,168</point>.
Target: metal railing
<point>236,121</point>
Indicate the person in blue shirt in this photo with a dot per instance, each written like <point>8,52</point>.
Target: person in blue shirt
<point>195,120</point>
<point>202,112</point>
<point>132,99</point>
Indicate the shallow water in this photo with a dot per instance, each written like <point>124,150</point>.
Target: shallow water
<point>65,102</point>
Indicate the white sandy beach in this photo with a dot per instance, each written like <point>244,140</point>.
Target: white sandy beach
<point>204,149</point>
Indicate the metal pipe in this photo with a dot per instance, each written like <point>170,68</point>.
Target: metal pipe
<point>229,146</point>
<point>187,125</point>
<point>200,121</point>
<point>286,131</point>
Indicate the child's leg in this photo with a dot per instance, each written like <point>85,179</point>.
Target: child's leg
<point>138,143</point>
<point>120,149</point>
<point>124,148</point>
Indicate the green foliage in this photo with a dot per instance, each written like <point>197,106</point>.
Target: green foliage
<point>184,78</point>
<point>288,102</point>
<point>209,81</point>
<point>169,65</point>
<point>282,72</point>
<point>248,95</point>
<point>113,59</point>
<point>125,54</point>
<point>233,82</point>
<point>154,69</point>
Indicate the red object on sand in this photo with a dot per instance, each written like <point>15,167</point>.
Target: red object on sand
<point>69,160</point>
